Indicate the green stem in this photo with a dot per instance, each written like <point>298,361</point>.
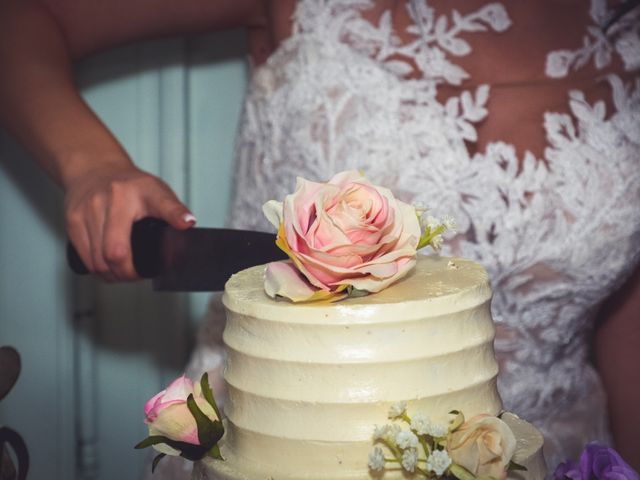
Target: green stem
<point>423,472</point>
<point>425,445</point>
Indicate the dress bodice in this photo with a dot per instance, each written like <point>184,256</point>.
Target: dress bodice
<point>558,230</point>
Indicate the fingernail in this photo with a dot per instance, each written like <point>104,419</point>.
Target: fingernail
<point>189,218</point>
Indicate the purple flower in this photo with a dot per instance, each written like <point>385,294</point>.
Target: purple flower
<point>604,463</point>
<point>597,462</point>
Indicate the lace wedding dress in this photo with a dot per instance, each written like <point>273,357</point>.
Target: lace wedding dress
<point>558,230</point>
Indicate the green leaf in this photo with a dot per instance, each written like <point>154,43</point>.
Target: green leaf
<point>215,452</point>
<point>457,421</point>
<point>209,431</point>
<point>152,440</point>
<point>355,293</point>
<point>218,431</point>
<point>156,460</point>
<point>207,392</point>
<point>204,423</point>
<point>513,466</point>
<point>460,472</point>
<point>187,450</point>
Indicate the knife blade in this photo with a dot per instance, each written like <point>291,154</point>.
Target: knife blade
<point>192,260</point>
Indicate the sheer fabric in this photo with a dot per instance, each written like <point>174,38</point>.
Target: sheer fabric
<point>557,229</point>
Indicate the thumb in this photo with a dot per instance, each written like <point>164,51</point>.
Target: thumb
<point>174,212</point>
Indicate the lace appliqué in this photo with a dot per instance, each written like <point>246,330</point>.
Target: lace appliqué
<point>623,38</point>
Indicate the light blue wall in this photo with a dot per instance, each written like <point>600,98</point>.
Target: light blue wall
<point>94,353</point>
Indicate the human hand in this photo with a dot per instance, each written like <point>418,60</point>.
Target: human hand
<point>101,207</point>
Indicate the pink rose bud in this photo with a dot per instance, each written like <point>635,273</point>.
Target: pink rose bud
<point>168,415</point>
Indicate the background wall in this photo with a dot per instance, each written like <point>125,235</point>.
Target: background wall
<point>93,353</point>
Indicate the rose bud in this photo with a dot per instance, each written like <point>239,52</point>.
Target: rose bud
<point>167,414</point>
<point>484,445</point>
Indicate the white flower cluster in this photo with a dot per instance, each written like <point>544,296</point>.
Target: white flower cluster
<point>410,459</point>
<point>416,449</point>
<point>406,439</point>
<point>376,459</point>
<point>438,462</point>
<point>423,426</point>
<point>397,410</point>
<point>386,433</point>
<point>433,228</point>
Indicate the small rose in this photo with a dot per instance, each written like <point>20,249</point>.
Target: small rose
<point>484,445</point>
<point>596,462</point>
<point>183,420</point>
<point>167,414</point>
<point>341,235</point>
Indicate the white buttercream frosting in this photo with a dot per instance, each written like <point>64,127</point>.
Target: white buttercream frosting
<point>308,383</point>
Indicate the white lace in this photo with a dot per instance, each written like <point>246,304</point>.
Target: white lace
<point>557,234</point>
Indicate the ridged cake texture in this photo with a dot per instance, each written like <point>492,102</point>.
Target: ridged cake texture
<point>308,382</point>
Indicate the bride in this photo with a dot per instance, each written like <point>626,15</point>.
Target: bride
<point>520,119</point>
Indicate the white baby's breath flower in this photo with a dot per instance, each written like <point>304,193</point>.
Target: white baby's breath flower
<point>420,423</point>
<point>406,439</point>
<point>431,222</point>
<point>397,409</point>
<point>450,223</point>
<point>392,433</point>
<point>386,433</point>
<point>410,459</point>
<point>376,459</point>
<point>379,431</point>
<point>437,241</point>
<point>437,430</point>
<point>424,426</point>
<point>438,462</point>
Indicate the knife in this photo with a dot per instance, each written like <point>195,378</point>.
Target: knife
<point>192,260</point>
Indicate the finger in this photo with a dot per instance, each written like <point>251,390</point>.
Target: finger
<point>79,238</point>
<point>171,210</point>
<point>95,219</point>
<point>117,241</point>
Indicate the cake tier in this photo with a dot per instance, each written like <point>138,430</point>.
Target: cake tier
<point>308,382</point>
<point>528,454</point>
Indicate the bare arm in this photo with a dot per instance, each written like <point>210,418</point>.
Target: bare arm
<point>618,359</point>
<point>41,107</point>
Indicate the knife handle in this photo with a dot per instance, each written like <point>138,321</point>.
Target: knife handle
<point>146,247</point>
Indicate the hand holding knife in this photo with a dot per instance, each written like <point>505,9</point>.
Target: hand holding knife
<point>192,260</point>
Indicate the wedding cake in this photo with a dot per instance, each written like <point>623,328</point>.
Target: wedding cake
<point>309,382</point>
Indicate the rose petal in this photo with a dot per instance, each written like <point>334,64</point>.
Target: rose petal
<point>179,389</point>
<point>273,211</point>
<point>176,423</point>
<point>373,284</point>
<point>285,280</point>
<point>153,402</point>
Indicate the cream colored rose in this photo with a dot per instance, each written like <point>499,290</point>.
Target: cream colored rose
<point>484,445</point>
<point>343,233</point>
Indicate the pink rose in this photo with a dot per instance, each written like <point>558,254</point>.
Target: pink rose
<point>343,233</point>
<point>168,415</point>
